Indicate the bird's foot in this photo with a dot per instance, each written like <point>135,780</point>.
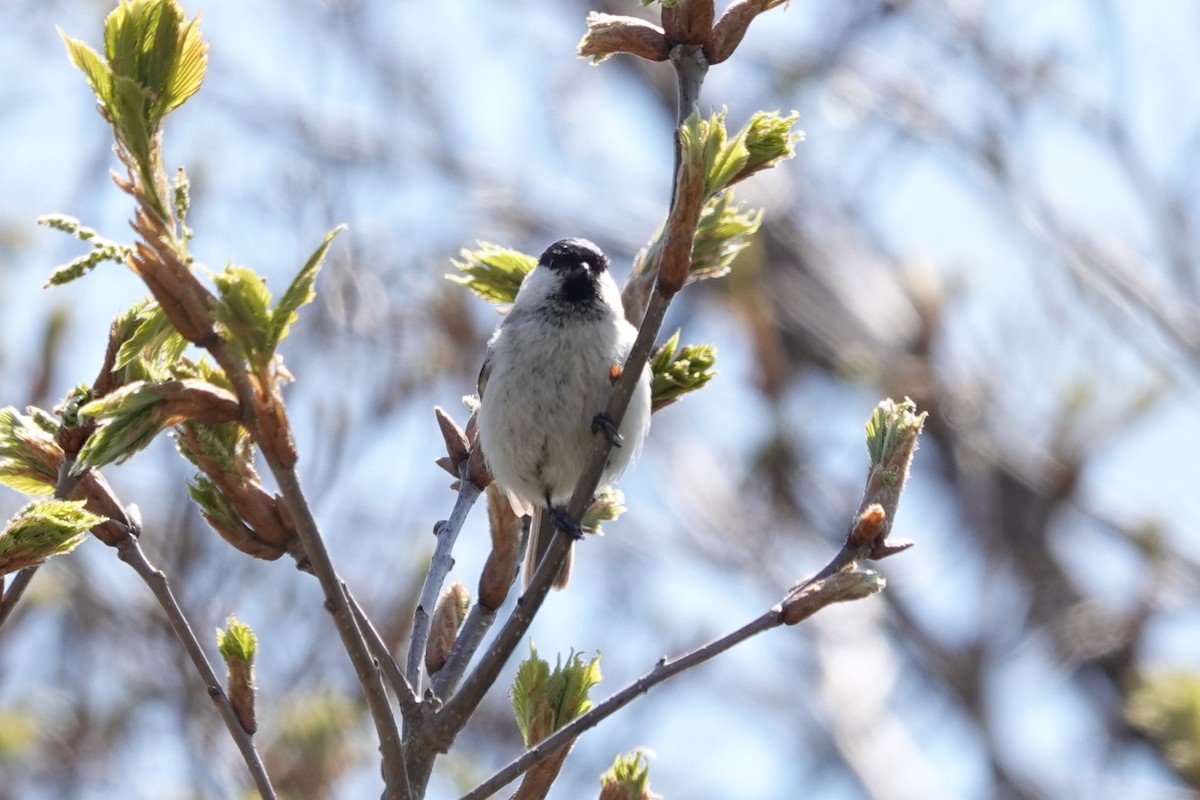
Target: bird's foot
<point>564,522</point>
<point>603,423</point>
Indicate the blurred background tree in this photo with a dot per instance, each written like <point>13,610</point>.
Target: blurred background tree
<point>994,213</point>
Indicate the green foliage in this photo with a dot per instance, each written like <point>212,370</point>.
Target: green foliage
<point>724,231</point>
<point>300,292</point>
<point>29,452</point>
<point>493,272</point>
<point>545,700</point>
<point>678,370</point>
<point>150,348</point>
<point>627,779</point>
<point>1167,708</point>
<point>154,60</point>
<point>214,505</point>
<point>129,421</point>
<point>244,310</point>
<point>606,506</point>
<point>244,305</point>
<point>102,249</point>
<point>763,142</point>
<point>890,425</point>
<point>236,642</point>
<point>42,529</point>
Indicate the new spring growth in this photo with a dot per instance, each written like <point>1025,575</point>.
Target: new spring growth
<point>628,778</point>
<point>42,529</point>
<point>712,162</point>
<point>492,272</point>
<point>448,616</point>
<point>238,645</point>
<point>133,415</point>
<point>102,249</point>
<point>29,454</point>
<point>154,60</point>
<point>545,700</point>
<point>678,370</point>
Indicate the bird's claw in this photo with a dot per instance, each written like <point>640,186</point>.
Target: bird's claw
<point>565,523</point>
<point>602,422</point>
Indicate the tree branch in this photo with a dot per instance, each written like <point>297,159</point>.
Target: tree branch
<point>821,594</point>
<point>439,567</point>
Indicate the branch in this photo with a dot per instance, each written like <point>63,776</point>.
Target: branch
<point>409,705</point>
<point>843,586</point>
<point>366,669</point>
<point>439,567</point>
<point>130,551</point>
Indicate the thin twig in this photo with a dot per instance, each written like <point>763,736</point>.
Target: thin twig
<point>12,595</point>
<point>410,706</point>
<point>439,567</point>
<point>366,669</point>
<point>395,776</point>
<point>662,671</point>
<point>130,551</point>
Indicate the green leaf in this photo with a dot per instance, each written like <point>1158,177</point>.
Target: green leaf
<point>128,422</point>
<point>769,139</point>
<point>494,273</point>
<point>545,700</point>
<point>152,345</point>
<point>29,451</point>
<point>723,232</point>
<point>88,61</point>
<point>606,506</point>
<point>187,69</point>
<point>1166,707</point>
<point>42,529</point>
<point>676,371</point>
<point>892,427</point>
<point>128,111</point>
<point>627,779</point>
<point>236,641</point>
<point>301,292</point>
<point>244,309</point>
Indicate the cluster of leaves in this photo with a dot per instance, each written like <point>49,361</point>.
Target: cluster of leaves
<point>154,60</point>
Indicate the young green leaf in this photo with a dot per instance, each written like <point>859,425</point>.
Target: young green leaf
<point>545,700</point>
<point>493,272</point>
<point>627,779</point>
<point>88,61</point>
<point>237,641</point>
<point>301,291</point>
<point>42,529</point>
<point>244,310</point>
<point>29,453</point>
<point>676,371</point>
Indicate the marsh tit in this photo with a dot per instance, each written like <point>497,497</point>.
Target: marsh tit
<point>545,383</point>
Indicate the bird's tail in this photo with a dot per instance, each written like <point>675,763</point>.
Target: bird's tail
<point>541,534</point>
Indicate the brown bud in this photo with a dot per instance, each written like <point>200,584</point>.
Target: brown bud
<point>448,617</point>
<point>870,527</point>
<point>241,694</point>
<point>731,27</point>
<point>477,468</point>
<point>809,598</point>
<point>688,21</point>
<point>608,34</point>
<point>457,446</point>
<point>500,570</point>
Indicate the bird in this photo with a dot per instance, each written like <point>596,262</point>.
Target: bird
<point>545,382</point>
